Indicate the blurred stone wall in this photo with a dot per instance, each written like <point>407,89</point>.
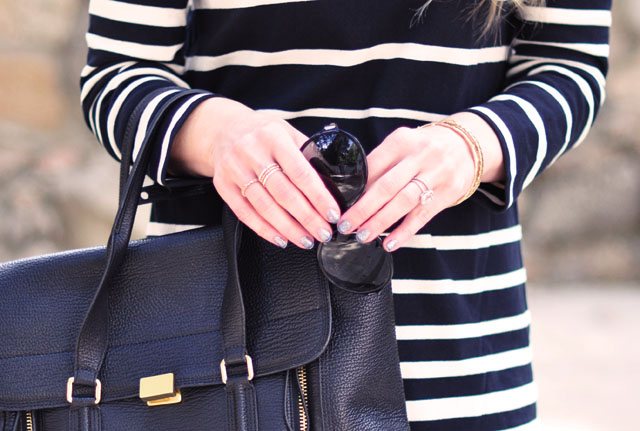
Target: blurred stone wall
<point>581,218</point>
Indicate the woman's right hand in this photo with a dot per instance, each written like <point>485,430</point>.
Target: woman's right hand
<point>234,144</point>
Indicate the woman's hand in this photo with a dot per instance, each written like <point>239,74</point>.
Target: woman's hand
<point>439,159</point>
<point>235,145</point>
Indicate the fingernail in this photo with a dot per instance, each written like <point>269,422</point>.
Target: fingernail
<point>307,242</point>
<point>391,245</point>
<point>362,235</point>
<point>324,235</point>
<point>333,216</point>
<point>281,243</point>
<point>344,227</point>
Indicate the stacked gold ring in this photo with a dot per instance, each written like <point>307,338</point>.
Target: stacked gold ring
<point>246,186</point>
<point>267,172</point>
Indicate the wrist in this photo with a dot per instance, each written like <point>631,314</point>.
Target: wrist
<point>193,148</point>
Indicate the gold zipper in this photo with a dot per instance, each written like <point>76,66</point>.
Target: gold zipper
<point>303,398</point>
<point>28,418</point>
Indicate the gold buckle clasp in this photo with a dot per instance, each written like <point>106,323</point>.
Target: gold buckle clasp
<point>97,396</point>
<point>223,369</point>
<point>159,390</point>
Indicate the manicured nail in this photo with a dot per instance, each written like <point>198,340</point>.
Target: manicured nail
<point>324,235</point>
<point>307,242</point>
<point>281,243</point>
<point>344,227</point>
<point>362,235</point>
<point>391,245</point>
<point>333,216</point>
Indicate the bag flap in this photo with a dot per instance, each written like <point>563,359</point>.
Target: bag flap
<point>165,309</point>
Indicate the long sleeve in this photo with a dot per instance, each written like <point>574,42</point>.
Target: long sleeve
<point>556,76</point>
<point>135,48</point>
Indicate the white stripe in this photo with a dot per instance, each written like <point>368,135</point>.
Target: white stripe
<point>138,14</point>
<point>473,405</point>
<point>460,287</point>
<point>167,137</point>
<point>356,114</point>
<point>511,150</point>
<point>133,49</point>
<point>464,330</point>
<point>535,61</point>
<point>156,229</point>
<point>587,92</point>
<point>466,367</point>
<point>555,15</point>
<point>145,117</point>
<point>115,110</point>
<point>115,83</point>
<point>596,49</point>
<point>536,120</point>
<point>88,85</point>
<point>344,58</point>
<point>466,242</point>
<point>87,70</point>
<point>236,4</point>
<point>565,108</point>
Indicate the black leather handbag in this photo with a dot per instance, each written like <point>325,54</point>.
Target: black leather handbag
<point>212,328</point>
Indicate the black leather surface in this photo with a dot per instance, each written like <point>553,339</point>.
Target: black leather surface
<point>166,320</point>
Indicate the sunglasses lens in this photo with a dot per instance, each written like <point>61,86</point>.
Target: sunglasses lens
<point>356,267</point>
<point>340,161</point>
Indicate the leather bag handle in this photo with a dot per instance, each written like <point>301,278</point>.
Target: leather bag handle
<point>92,341</point>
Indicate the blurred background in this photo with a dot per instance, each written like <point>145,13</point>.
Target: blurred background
<point>581,218</point>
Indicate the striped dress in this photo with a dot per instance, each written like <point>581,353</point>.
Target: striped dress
<point>371,67</point>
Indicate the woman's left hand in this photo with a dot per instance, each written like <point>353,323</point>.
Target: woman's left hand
<point>438,158</point>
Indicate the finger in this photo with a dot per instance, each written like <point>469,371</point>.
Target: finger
<point>386,155</point>
<point>278,217</point>
<point>289,197</point>
<point>412,223</point>
<point>406,201</point>
<point>305,178</point>
<point>248,215</point>
<point>377,196</point>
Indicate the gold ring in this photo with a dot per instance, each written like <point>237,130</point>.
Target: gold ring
<point>426,194</point>
<point>267,172</point>
<point>246,186</point>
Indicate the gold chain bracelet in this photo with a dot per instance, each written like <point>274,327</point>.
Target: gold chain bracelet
<point>474,147</point>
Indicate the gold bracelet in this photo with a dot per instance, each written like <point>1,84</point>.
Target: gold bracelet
<point>474,147</point>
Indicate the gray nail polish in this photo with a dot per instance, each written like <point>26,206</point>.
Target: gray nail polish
<point>307,242</point>
<point>362,235</point>
<point>344,227</point>
<point>391,245</point>
<point>333,216</point>
<point>324,235</point>
<point>281,243</point>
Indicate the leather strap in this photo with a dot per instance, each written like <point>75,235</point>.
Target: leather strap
<point>85,419</point>
<point>92,342</point>
<point>240,392</point>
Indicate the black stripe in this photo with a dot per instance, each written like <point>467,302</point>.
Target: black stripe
<point>455,350</point>
<point>454,309</point>
<point>138,33</point>
<point>479,384</point>
<point>321,25</point>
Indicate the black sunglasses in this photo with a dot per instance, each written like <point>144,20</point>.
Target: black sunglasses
<point>341,162</point>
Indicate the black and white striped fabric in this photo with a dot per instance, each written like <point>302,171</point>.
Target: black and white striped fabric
<point>459,286</point>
